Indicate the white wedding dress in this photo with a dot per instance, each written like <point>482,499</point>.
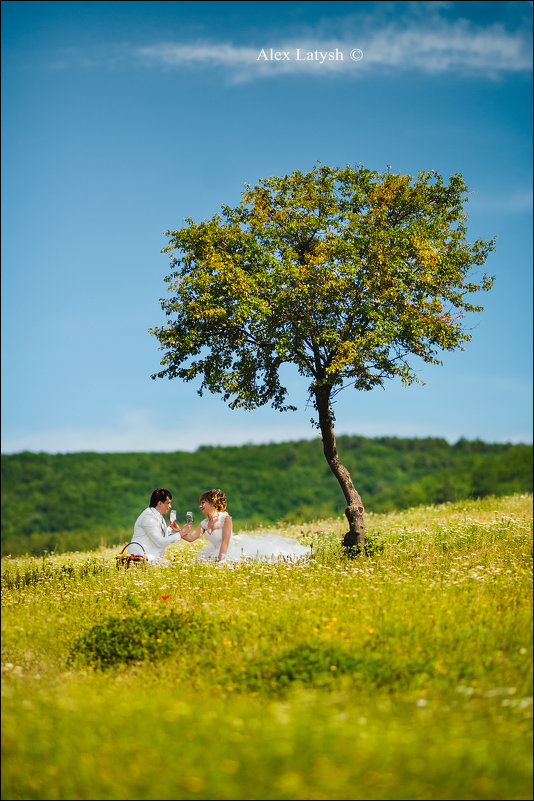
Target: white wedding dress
<point>266,547</point>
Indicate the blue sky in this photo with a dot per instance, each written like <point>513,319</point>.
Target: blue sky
<point>119,119</point>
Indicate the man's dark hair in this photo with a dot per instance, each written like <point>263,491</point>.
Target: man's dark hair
<point>160,494</point>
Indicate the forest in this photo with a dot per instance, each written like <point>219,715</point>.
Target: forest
<point>78,501</point>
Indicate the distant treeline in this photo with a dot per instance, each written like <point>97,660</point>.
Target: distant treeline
<point>69,502</point>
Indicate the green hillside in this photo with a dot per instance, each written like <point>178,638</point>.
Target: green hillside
<point>76,501</point>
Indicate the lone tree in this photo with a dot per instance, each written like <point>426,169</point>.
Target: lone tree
<point>344,273</point>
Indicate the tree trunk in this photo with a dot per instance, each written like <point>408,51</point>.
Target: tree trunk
<point>354,539</point>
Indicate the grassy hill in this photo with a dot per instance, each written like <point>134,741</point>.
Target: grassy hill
<point>406,675</point>
<point>75,501</point>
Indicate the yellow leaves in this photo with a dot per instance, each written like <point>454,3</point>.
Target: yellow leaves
<point>219,261</point>
<point>261,205</point>
<point>382,195</point>
<point>425,254</point>
<point>348,354</point>
<point>213,314</point>
<point>201,312</point>
<point>388,194</point>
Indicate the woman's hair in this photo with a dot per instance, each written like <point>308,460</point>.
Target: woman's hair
<point>158,495</point>
<point>216,497</point>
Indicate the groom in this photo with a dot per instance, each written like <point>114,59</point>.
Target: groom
<point>151,530</point>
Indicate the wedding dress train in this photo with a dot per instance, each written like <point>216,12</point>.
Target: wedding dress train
<point>264,547</point>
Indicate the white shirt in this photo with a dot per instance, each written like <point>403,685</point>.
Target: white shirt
<point>152,532</point>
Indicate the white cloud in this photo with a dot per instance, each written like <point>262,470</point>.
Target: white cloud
<point>399,37</point>
<point>445,47</point>
<point>174,55</point>
<point>430,45</point>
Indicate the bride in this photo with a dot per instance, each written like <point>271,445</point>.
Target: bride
<point>224,547</point>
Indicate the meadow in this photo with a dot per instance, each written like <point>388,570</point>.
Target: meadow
<point>404,674</point>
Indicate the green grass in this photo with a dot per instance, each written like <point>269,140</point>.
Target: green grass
<point>402,675</point>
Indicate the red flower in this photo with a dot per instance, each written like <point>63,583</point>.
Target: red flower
<point>164,597</point>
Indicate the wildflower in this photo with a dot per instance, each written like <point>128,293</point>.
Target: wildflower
<point>165,597</point>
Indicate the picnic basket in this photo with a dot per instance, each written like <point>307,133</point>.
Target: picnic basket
<point>126,559</point>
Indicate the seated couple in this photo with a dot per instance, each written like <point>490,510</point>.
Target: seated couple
<point>154,535</point>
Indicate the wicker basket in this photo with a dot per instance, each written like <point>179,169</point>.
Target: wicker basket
<point>126,559</point>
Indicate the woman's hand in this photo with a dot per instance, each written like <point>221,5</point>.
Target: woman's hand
<point>191,537</point>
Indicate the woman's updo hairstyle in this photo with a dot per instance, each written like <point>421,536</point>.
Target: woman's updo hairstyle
<point>216,497</point>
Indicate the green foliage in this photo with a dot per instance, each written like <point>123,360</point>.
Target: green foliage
<point>320,665</point>
<point>343,273</point>
<point>264,484</point>
<point>317,664</point>
<point>139,637</point>
<point>309,664</point>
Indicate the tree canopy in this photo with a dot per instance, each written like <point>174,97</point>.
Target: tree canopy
<point>342,272</point>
